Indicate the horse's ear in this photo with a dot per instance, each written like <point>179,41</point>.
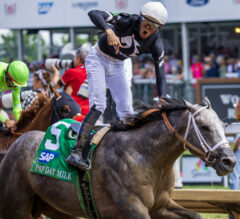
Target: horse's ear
<point>188,105</point>
<point>206,102</point>
<point>54,91</point>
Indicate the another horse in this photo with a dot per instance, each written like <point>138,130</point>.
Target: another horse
<point>41,114</point>
<point>132,167</point>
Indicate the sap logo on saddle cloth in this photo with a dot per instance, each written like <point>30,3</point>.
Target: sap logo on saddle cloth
<point>47,156</point>
<point>197,3</point>
<point>44,7</point>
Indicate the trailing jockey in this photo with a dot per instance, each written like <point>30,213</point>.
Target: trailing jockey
<point>13,76</point>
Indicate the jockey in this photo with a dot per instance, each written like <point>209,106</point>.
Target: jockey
<point>41,80</point>
<point>13,76</point>
<point>126,36</point>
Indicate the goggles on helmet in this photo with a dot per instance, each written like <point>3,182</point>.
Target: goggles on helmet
<point>9,80</point>
<point>152,25</point>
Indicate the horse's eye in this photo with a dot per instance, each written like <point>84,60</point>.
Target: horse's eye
<point>205,128</point>
<point>65,110</point>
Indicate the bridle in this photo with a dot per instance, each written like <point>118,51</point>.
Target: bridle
<point>207,153</point>
<point>54,108</point>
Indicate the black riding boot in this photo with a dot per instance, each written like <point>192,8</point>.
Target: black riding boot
<point>76,156</point>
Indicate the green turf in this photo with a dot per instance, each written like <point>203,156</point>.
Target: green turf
<point>214,216</point>
<point>204,187</point>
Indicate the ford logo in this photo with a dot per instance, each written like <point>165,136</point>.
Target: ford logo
<point>197,3</point>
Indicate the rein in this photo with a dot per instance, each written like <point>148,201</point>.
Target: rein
<point>208,154</point>
<point>185,142</point>
<point>17,133</point>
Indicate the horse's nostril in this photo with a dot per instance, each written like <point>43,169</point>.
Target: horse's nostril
<point>228,162</point>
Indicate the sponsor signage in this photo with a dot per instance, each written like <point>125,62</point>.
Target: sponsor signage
<point>223,95</point>
<point>121,4</point>
<point>197,3</point>
<point>10,9</point>
<point>85,5</point>
<point>62,13</point>
<point>194,170</point>
<point>237,2</point>
<point>46,156</point>
<point>44,7</point>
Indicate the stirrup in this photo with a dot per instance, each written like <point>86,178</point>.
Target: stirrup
<point>89,165</point>
<point>129,122</point>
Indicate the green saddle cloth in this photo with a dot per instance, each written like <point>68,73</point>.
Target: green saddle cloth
<point>50,159</point>
<point>54,149</point>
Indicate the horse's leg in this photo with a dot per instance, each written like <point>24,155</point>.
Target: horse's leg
<point>174,211</point>
<point>132,207</point>
<point>129,205</point>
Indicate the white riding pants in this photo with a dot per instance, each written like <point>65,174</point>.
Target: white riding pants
<point>101,70</point>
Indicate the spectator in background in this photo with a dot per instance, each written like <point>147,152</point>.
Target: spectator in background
<point>231,65</point>
<point>238,68</point>
<point>137,72</point>
<point>175,72</point>
<point>222,67</point>
<point>174,62</point>
<point>33,67</point>
<point>211,68</point>
<point>167,65</point>
<point>41,81</point>
<point>234,176</point>
<point>73,81</point>
<point>42,64</point>
<point>148,69</point>
<point>197,68</point>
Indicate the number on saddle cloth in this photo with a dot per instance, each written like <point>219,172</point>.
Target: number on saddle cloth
<point>55,147</point>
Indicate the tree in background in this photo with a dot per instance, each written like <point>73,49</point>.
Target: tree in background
<point>9,47</point>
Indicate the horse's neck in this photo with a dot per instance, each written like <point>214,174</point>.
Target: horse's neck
<point>42,119</point>
<point>166,147</point>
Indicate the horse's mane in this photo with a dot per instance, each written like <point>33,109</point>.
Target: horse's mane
<point>28,114</point>
<point>164,105</point>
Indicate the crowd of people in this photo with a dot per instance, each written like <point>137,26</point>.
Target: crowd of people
<point>218,64</point>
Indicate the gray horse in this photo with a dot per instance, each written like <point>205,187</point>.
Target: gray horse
<point>132,167</point>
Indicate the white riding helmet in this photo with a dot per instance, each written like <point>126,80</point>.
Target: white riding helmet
<point>155,11</point>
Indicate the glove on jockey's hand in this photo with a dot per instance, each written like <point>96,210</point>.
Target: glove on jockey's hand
<point>113,40</point>
<point>11,125</point>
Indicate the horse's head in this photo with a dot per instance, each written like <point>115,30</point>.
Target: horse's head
<point>206,132</point>
<point>64,106</point>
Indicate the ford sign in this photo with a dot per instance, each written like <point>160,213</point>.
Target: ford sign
<point>197,3</point>
<point>44,7</point>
